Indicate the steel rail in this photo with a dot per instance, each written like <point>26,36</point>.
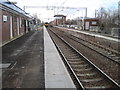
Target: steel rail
<point>100,71</point>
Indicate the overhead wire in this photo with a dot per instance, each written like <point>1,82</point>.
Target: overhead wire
<point>62,5</point>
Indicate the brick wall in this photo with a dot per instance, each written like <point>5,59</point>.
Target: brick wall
<point>5,26</point>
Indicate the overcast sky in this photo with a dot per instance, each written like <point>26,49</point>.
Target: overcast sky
<point>91,5</point>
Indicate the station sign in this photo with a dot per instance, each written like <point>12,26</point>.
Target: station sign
<point>4,18</point>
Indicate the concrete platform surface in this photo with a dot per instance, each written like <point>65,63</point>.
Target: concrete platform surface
<point>56,74</point>
<point>23,62</point>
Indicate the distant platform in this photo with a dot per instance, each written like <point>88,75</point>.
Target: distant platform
<point>93,34</point>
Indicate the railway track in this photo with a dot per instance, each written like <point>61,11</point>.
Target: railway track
<point>86,73</point>
<point>106,52</point>
<point>112,55</point>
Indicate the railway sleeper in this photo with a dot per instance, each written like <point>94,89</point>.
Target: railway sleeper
<point>75,57</point>
<point>90,75</point>
<point>75,60</point>
<point>116,57</point>
<point>97,87</point>
<point>80,66</point>
<point>70,54</point>
<point>76,63</point>
<point>83,69</point>
<point>96,80</point>
<point>112,55</point>
<point>98,83</point>
<point>86,74</point>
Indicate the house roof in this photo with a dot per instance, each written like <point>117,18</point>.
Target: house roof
<point>12,6</point>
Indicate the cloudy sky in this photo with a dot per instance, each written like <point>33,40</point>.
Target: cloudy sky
<point>47,14</point>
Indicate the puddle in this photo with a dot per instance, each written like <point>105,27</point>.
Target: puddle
<point>4,65</point>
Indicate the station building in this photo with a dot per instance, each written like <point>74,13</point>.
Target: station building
<point>90,24</point>
<point>59,20</point>
<point>14,21</point>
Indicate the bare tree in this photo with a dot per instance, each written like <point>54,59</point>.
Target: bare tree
<point>108,19</point>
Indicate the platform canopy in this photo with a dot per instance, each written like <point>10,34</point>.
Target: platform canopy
<point>59,16</point>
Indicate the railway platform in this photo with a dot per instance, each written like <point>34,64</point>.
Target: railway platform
<point>56,74</point>
<point>33,63</point>
<point>23,62</point>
